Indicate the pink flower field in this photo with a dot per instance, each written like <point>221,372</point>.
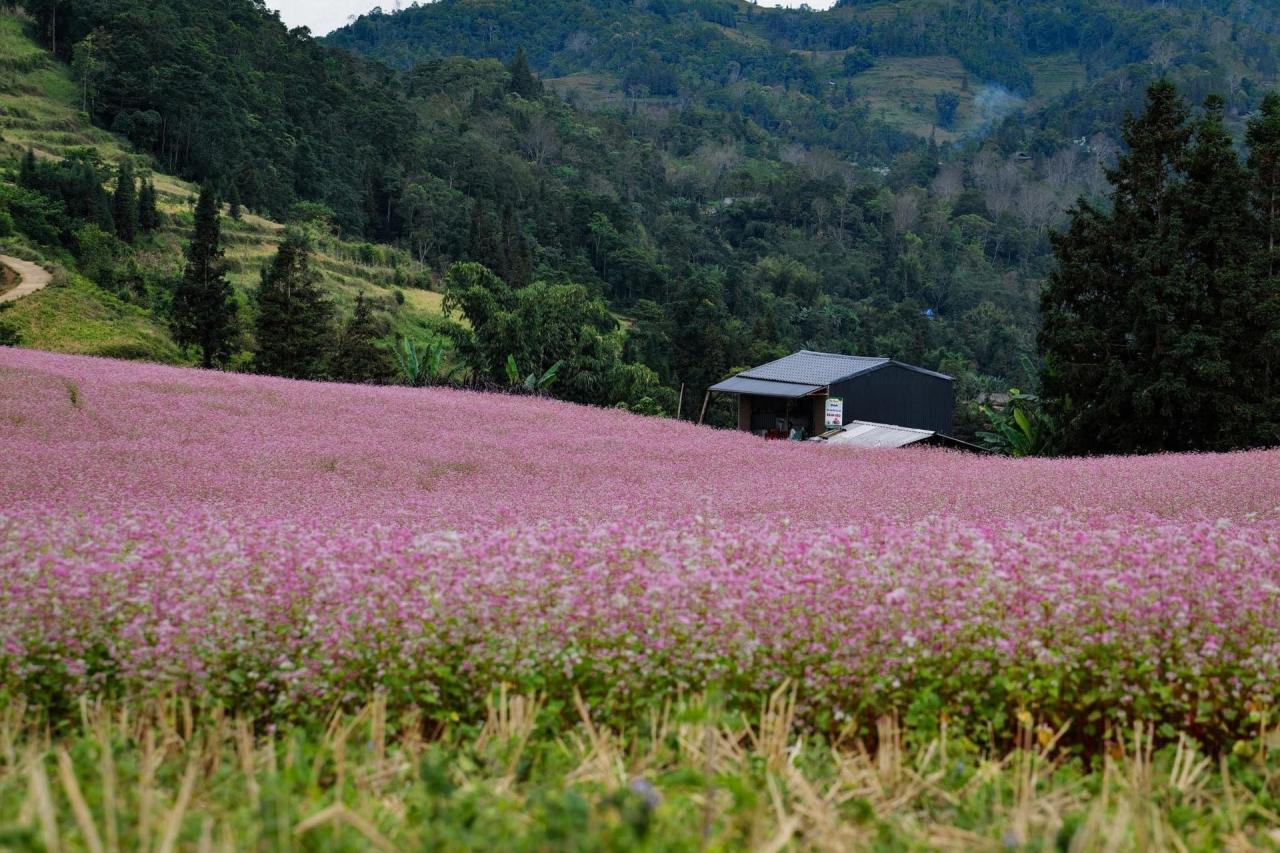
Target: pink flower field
<point>289,546</point>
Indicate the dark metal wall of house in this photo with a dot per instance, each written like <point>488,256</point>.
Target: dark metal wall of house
<point>898,395</point>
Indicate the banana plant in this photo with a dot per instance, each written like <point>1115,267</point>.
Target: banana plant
<point>1022,428</point>
<point>425,366</point>
<point>410,363</point>
<point>546,380</point>
<point>533,383</point>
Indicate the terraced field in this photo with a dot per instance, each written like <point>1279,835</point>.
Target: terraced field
<point>900,91</point>
<point>40,110</point>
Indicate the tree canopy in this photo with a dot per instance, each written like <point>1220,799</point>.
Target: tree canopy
<point>294,317</point>
<point>1160,322</point>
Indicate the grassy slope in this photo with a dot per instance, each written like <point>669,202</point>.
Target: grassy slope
<point>900,90</point>
<point>73,315</point>
<point>40,110</point>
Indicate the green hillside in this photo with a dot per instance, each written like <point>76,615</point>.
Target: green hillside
<point>731,183</point>
<point>1066,65</point>
<point>40,103</point>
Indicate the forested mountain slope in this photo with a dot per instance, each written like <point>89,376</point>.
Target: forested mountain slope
<point>733,182</point>
<point>109,297</point>
<point>1076,60</point>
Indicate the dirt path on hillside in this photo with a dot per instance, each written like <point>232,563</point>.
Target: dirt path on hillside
<point>30,278</point>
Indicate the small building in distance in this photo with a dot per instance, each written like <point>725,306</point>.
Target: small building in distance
<point>807,393</point>
<point>865,435</point>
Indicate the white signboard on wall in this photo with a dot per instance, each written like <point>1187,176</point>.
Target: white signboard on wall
<point>835,412</point>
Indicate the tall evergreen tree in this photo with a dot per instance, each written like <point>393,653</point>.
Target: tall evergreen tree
<point>523,82</point>
<point>124,204</point>
<point>1211,392</point>
<point>1151,329</point>
<point>1264,168</point>
<point>1264,303</point>
<point>294,318</point>
<point>703,344</point>
<point>27,171</point>
<point>520,263</point>
<point>516,259</point>
<point>483,245</point>
<point>148,209</point>
<point>358,357</point>
<point>204,308</point>
<point>1106,308</point>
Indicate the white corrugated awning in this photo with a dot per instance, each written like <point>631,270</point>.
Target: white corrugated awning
<point>867,434</point>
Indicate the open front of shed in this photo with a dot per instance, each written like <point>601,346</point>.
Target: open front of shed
<point>808,394</point>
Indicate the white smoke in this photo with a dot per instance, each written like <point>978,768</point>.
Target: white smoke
<point>991,105</point>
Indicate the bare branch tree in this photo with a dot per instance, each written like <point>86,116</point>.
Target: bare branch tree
<point>541,141</point>
<point>949,182</point>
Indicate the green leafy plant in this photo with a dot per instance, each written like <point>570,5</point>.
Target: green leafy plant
<point>1021,428</point>
<point>9,335</point>
<point>533,383</point>
<point>425,364</point>
<point>644,406</point>
<point>417,368</point>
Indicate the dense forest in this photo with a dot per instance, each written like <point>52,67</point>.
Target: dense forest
<point>1162,319</point>
<point>722,51</point>
<point>699,185</point>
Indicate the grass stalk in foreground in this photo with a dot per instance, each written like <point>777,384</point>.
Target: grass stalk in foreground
<point>166,777</point>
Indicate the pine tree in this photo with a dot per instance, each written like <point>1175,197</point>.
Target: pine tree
<point>509,247</point>
<point>483,246</point>
<point>124,204</point>
<point>521,271</point>
<point>28,171</point>
<point>1156,321</point>
<point>234,203</point>
<point>358,358</point>
<point>294,318</point>
<point>148,209</point>
<point>523,82</point>
<point>100,204</point>
<point>1106,308</point>
<point>1264,302</point>
<point>204,308</point>
<point>1210,392</point>
<point>1264,167</point>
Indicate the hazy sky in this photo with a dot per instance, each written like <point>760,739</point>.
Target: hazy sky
<point>324,16</point>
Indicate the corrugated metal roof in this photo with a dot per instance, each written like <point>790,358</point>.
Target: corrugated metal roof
<point>867,434</point>
<point>926,371</point>
<point>814,368</point>
<point>765,388</point>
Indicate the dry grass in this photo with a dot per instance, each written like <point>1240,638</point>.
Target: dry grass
<point>169,776</point>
